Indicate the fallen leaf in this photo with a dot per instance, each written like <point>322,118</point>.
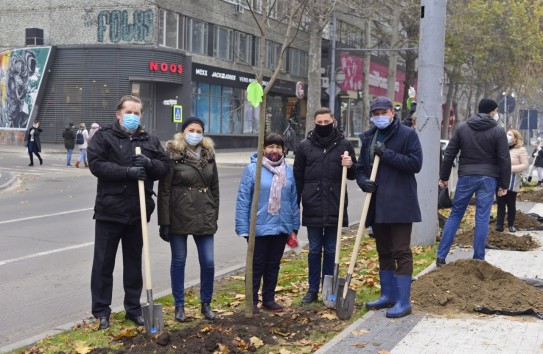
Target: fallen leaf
<point>82,347</point>
<point>383,352</point>
<point>257,342</point>
<point>329,316</point>
<point>222,349</point>
<point>359,333</point>
<point>360,345</point>
<point>284,351</point>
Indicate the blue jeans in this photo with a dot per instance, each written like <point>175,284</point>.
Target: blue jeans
<point>320,238</point>
<point>82,156</point>
<point>69,156</point>
<point>178,245</point>
<point>484,188</point>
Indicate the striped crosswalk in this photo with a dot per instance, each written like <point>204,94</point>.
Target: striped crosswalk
<point>41,170</point>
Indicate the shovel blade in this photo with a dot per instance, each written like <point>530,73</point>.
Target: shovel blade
<point>331,293</point>
<point>152,316</point>
<point>345,306</point>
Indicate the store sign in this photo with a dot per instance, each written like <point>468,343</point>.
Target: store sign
<point>300,90</point>
<point>165,67</point>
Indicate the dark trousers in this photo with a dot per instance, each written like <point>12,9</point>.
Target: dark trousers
<point>32,148</point>
<point>509,200</point>
<point>106,241</point>
<point>266,262</point>
<point>394,247</point>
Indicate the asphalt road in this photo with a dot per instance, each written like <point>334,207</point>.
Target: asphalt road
<point>46,246</point>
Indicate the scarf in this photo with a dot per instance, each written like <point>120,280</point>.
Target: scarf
<point>278,182</point>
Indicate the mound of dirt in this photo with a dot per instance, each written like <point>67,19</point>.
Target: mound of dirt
<point>465,284</point>
<point>531,196</point>
<point>499,240</point>
<point>235,334</point>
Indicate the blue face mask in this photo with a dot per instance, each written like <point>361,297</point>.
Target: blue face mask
<point>381,122</point>
<point>193,138</point>
<point>131,121</point>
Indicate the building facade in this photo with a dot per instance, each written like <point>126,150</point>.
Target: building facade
<point>181,58</point>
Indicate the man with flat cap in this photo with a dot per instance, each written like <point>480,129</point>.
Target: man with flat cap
<point>394,203</point>
<point>484,167</point>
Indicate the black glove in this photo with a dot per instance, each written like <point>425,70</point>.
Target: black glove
<point>142,161</point>
<point>368,186</point>
<point>379,148</point>
<point>164,232</point>
<point>136,173</point>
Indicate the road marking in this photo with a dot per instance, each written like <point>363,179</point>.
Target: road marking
<point>45,253</point>
<point>45,216</point>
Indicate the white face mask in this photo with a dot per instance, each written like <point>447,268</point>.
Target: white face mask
<point>509,139</point>
<point>496,117</point>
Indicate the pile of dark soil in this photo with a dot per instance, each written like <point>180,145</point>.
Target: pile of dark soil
<point>524,221</point>
<point>535,196</point>
<point>236,334</point>
<point>499,240</point>
<point>466,284</point>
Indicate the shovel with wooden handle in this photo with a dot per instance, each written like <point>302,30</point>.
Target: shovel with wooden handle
<point>331,283</point>
<point>530,170</point>
<point>346,295</point>
<point>152,313</point>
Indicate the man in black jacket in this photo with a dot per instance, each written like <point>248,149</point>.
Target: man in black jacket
<point>484,167</point>
<point>113,161</point>
<point>317,169</point>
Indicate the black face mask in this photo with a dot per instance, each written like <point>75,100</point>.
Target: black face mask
<point>324,130</point>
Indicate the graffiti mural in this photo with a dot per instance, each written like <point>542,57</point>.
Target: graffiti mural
<point>21,73</point>
<point>120,28</point>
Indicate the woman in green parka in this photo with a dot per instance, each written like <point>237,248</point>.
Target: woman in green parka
<point>188,204</point>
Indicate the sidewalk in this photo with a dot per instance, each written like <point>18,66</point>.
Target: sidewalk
<point>473,334</point>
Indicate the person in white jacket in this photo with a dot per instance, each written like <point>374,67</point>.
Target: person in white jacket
<point>82,146</point>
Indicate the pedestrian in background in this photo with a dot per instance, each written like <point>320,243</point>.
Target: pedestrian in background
<point>117,207</point>
<point>277,217</point>
<point>538,163</point>
<point>82,138</point>
<point>394,205</point>
<point>69,142</point>
<point>519,164</point>
<point>33,142</point>
<point>318,166</point>
<point>93,129</point>
<point>484,166</point>
<point>188,204</point>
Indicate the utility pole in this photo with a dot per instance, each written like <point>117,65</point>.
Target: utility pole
<point>429,115</point>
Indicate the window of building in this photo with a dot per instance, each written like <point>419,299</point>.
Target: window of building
<point>244,48</point>
<point>297,62</point>
<point>256,5</point>
<point>196,35</point>
<point>170,29</point>
<point>273,53</point>
<point>223,43</point>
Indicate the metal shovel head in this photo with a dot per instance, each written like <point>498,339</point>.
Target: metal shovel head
<point>152,316</point>
<point>345,306</point>
<point>330,292</point>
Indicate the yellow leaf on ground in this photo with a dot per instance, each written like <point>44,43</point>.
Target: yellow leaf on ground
<point>221,349</point>
<point>82,347</point>
<point>284,351</point>
<point>257,342</point>
<point>329,316</point>
<point>359,333</point>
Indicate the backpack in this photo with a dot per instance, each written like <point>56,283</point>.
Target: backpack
<point>79,138</point>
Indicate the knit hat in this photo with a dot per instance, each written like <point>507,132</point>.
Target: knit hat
<point>487,105</point>
<point>82,126</point>
<point>381,103</point>
<point>190,120</point>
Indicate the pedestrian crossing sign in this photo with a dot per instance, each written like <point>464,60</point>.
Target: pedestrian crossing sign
<point>177,113</point>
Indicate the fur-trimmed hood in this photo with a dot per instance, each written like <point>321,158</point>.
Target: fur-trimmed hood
<point>177,147</point>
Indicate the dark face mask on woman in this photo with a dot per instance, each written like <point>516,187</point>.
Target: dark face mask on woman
<point>324,130</point>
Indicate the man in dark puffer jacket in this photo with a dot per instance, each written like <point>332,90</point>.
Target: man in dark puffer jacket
<point>484,167</point>
<point>317,169</point>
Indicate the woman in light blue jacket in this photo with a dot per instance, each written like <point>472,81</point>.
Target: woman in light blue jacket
<point>277,217</point>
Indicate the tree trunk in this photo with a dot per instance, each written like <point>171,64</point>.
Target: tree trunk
<point>314,74</point>
<point>393,56</point>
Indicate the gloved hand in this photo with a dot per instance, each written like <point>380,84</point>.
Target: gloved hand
<point>164,232</point>
<point>379,148</point>
<point>142,161</point>
<point>368,186</point>
<point>136,173</point>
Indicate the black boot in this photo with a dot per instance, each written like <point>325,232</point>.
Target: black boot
<point>206,310</point>
<point>180,314</point>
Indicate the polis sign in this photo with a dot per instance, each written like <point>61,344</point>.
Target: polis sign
<point>165,67</point>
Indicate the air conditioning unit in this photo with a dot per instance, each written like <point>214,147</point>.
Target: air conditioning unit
<point>239,9</point>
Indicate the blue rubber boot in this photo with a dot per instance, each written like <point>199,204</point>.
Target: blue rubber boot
<point>388,291</point>
<point>403,294</point>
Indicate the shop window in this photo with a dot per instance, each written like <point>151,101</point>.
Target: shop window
<point>223,44</point>
<point>196,35</point>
